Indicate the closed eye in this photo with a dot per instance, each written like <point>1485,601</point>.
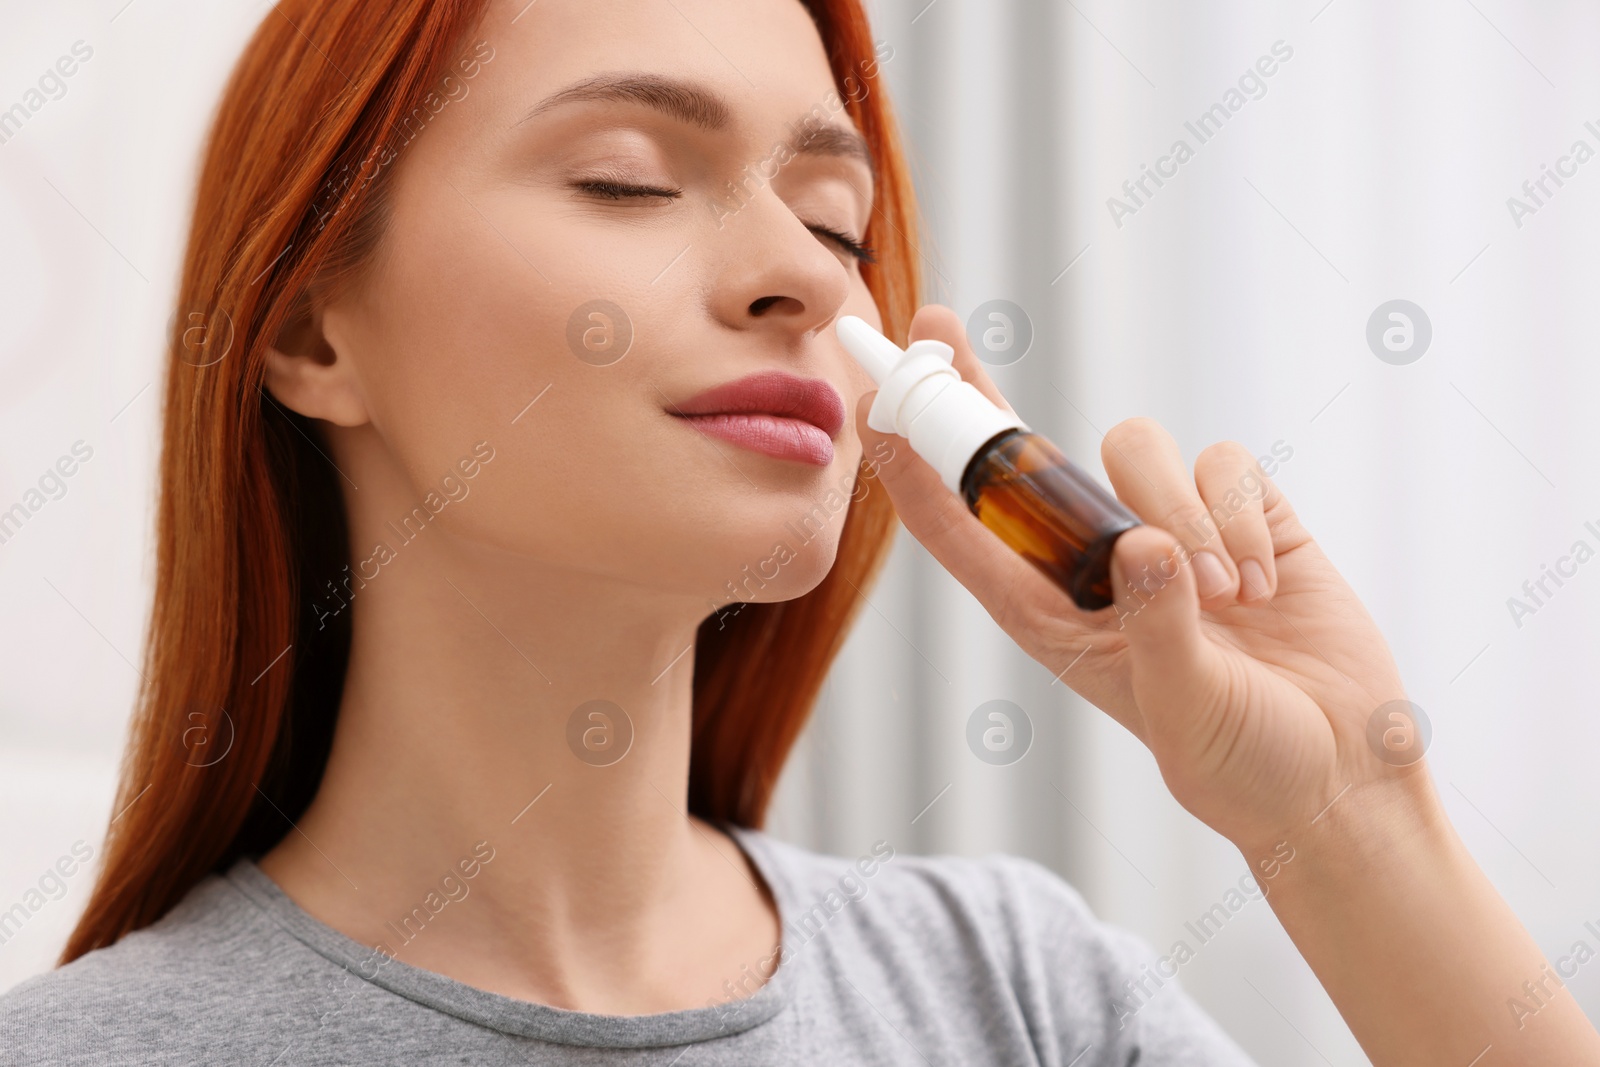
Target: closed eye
<point>615,190</point>
<point>850,244</point>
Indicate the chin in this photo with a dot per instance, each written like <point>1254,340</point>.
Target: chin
<point>790,562</point>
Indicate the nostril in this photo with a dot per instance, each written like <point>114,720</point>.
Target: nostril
<point>758,306</point>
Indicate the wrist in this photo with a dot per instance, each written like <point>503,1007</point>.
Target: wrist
<point>1389,909</point>
<point>1370,831</point>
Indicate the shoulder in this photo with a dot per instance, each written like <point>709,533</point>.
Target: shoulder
<point>1012,905</point>
<point>998,930</point>
<point>170,990</point>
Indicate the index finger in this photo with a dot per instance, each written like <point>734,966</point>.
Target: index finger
<point>939,323</point>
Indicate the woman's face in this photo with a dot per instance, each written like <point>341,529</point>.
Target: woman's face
<point>537,231</point>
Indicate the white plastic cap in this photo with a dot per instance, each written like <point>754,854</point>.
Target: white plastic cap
<point>922,397</point>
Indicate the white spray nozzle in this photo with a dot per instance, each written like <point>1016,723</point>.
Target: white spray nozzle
<point>923,398</point>
<point>872,350</point>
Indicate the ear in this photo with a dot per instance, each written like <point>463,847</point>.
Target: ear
<point>312,374</point>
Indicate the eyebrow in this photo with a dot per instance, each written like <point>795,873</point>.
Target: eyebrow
<point>705,108</point>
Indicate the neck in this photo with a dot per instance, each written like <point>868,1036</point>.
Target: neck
<point>487,712</point>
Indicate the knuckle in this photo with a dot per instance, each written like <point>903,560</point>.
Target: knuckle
<point>1231,479</point>
<point>1228,508</point>
<point>942,520</point>
<point>1190,523</point>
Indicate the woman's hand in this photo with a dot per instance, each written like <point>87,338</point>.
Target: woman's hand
<point>1255,699</point>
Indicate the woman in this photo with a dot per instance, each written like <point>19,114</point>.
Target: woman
<point>505,366</point>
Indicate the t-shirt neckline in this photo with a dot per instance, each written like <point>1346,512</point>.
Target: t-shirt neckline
<point>526,1018</point>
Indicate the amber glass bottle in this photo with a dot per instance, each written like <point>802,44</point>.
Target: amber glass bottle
<point>1016,482</point>
<point>1049,511</point>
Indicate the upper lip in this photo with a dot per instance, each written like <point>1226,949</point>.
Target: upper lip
<point>772,392</point>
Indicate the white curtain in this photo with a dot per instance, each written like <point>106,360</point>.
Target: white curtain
<point>1368,158</point>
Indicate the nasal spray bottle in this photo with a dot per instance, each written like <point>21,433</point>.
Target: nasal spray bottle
<point>1016,482</point>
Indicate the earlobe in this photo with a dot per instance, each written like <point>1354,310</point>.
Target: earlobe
<point>312,375</point>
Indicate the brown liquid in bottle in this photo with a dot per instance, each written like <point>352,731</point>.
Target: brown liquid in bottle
<point>1049,511</point>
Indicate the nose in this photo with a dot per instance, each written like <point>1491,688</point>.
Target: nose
<point>775,274</point>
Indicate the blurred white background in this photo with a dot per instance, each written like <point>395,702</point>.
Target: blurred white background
<point>1375,163</point>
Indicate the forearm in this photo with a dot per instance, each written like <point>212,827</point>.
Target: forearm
<point>1422,957</point>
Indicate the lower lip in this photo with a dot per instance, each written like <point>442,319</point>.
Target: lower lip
<point>770,435</point>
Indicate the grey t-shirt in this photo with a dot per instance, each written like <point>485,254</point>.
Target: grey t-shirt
<point>887,959</point>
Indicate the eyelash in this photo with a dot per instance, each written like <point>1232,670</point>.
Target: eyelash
<point>613,190</point>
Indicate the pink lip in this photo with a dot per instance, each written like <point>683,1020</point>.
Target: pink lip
<point>771,412</point>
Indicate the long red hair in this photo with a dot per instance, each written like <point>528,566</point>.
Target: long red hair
<point>234,722</point>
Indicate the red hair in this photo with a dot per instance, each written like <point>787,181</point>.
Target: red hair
<point>292,199</point>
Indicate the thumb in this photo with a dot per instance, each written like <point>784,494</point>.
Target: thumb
<point>1177,673</point>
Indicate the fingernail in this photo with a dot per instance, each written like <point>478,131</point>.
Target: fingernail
<point>1252,581</point>
<point>1211,575</point>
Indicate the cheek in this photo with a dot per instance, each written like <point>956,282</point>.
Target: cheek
<point>475,316</point>
<point>462,340</point>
